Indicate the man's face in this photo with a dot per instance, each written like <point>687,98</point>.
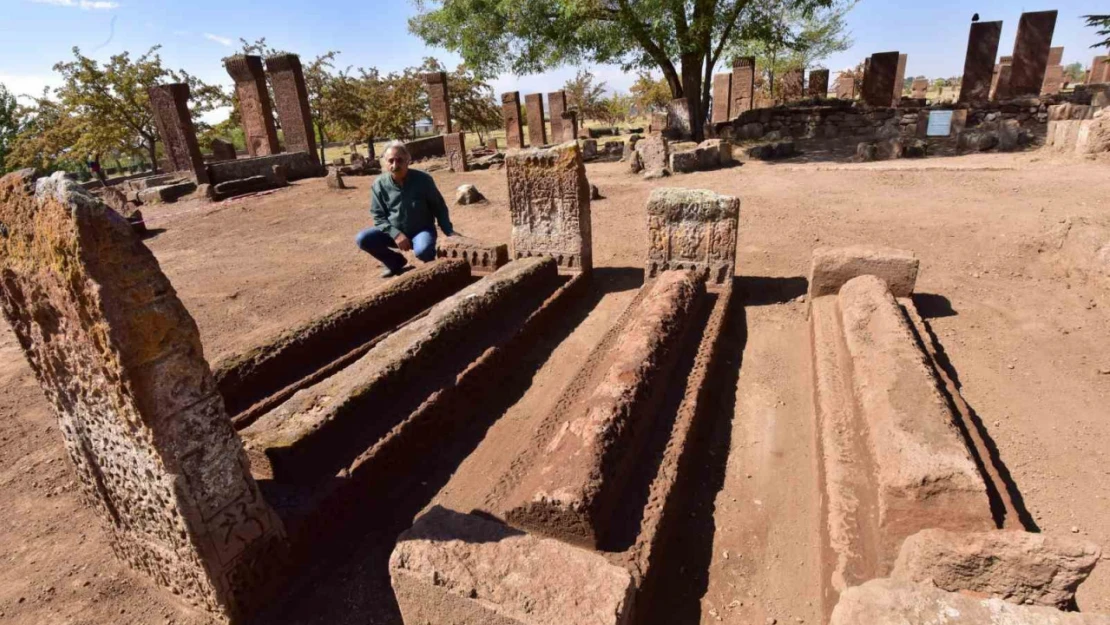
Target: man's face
<point>397,162</point>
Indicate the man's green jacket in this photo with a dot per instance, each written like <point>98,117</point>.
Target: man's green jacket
<point>410,208</point>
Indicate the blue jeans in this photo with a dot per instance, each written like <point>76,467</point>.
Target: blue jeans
<point>380,245</point>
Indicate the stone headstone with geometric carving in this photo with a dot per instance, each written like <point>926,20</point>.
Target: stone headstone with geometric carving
<point>120,360</point>
<point>743,84</point>
<point>537,131</point>
<point>692,229</point>
<point>510,114</point>
<point>254,104</point>
<point>170,104</point>
<point>291,100</point>
<point>549,202</point>
<point>454,144</point>
<point>439,101</point>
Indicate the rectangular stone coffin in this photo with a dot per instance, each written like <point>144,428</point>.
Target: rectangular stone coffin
<point>818,83</point>
<point>549,202</point>
<point>722,97</point>
<point>454,144</point>
<point>297,165</point>
<point>427,147</point>
<point>979,73</point>
<point>254,104</point>
<point>1034,39</point>
<point>878,81</point>
<point>170,104</point>
<point>291,100</point>
<point>537,131</point>
<point>692,230</point>
<point>439,100</point>
<point>510,114</point>
<point>574,487</point>
<point>743,84</point>
<point>556,106</point>
<point>119,359</point>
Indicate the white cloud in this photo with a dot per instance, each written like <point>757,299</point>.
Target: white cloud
<point>29,84</point>
<point>223,41</point>
<point>85,5</point>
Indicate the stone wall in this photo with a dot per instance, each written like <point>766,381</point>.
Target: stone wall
<point>297,165</point>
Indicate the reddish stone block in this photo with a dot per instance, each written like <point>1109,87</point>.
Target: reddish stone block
<point>879,77</point>
<point>845,87</point>
<point>1034,38</point>
<point>291,99</point>
<point>899,79</point>
<point>510,113</point>
<point>818,83</point>
<point>175,126</point>
<point>254,104</point>
<point>537,131</point>
<point>1055,56</point>
<point>439,98</point>
<point>722,97</point>
<point>791,87</point>
<point>556,106</point>
<point>1100,71</point>
<point>570,126</point>
<point>454,144</point>
<point>743,85</point>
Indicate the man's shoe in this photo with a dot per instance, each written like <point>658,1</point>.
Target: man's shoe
<point>389,273</point>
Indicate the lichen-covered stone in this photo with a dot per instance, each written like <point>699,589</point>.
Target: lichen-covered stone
<point>549,202</point>
<point>692,229</point>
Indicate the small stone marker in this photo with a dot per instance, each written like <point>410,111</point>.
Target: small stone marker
<point>654,152</point>
<point>454,144</point>
<point>468,194</point>
<point>335,180</point>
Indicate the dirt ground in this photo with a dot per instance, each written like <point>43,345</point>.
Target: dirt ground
<point>1011,283</point>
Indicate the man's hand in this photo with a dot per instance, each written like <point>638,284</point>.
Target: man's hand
<point>403,242</point>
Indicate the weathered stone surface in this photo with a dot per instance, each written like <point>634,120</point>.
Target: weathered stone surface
<point>482,257</point>
<point>549,202</point>
<point>462,569</point>
<point>242,186</point>
<point>468,194</point>
<point>791,85</point>
<point>678,119</point>
<point>1093,136</point>
<point>833,267</point>
<point>1019,567</point>
<point>117,201</point>
<point>692,229</point>
<point>222,150</point>
<point>296,441</point>
<point>537,129</point>
<point>743,85</point>
<point>170,104</point>
<point>655,174</point>
<point>654,152</point>
<point>427,147</point>
<point>878,83</point>
<point>889,602</point>
<point>710,153</point>
<point>254,104</point>
<point>439,100</point>
<point>1055,55</point>
<point>589,149</point>
<point>818,83</point>
<point>722,97</point>
<point>595,193</point>
<point>867,151</point>
<point>335,180</point>
<point>510,114</point>
<point>845,87</point>
<point>119,359</point>
<point>557,105</point>
<point>1000,84</point>
<point>773,151</point>
<point>297,165</point>
<point>919,88</point>
<point>1031,47</point>
<point>167,192</point>
<point>1100,70</point>
<point>635,162</point>
<point>573,488</point>
<point>454,144</point>
<point>570,126</point>
<point>899,79</point>
<point>491,144</point>
<point>1054,80</point>
<point>684,162</point>
<point>924,474</point>
<point>291,100</point>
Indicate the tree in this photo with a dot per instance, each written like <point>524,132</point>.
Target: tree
<point>685,40</point>
<point>45,135</point>
<point>649,94</point>
<point>9,125</point>
<point>585,95</point>
<point>1074,72</point>
<point>1102,23</point>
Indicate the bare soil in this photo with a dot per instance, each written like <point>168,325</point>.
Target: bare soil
<point>1012,285</point>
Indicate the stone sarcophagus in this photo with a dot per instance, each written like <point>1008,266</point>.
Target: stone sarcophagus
<point>692,229</point>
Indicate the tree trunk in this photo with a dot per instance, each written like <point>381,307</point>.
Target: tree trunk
<point>691,88</point>
<point>323,142</point>
<point>370,148</point>
<point>152,151</point>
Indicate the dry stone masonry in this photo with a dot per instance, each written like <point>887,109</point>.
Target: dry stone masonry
<point>549,201</point>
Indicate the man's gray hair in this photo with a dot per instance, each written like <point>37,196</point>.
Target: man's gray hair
<point>399,146</point>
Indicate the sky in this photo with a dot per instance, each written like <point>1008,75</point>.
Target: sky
<point>195,35</point>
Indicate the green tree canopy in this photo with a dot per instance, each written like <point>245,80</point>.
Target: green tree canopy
<point>1074,72</point>
<point>684,40</point>
<point>586,95</point>
<point>1102,25</point>
<point>649,94</point>
<point>9,125</point>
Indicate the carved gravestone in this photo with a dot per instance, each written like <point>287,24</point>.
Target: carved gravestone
<point>678,119</point>
<point>440,101</point>
<point>1000,85</point>
<point>1100,71</point>
<point>1031,48</point>
<point>549,201</point>
<point>537,131</point>
<point>818,83</point>
<point>510,114</point>
<point>170,104</point>
<point>899,80</point>
<point>254,104</point>
<point>654,152</point>
<point>743,84</point>
<point>982,46</point>
<point>722,97</point>
<point>845,87</point>
<point>119,359</point>
<point>878,80</point>
<point>454,144</point>
<point>791,85</point>
<point>557,105</point>
<point>291,100</point>
<point>570,126</point>
<point>692,229</point>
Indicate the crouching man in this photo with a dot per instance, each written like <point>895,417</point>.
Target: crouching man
<point>406,205</point>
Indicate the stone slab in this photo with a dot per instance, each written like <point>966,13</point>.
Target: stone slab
<point>557,105</point>
<point>572,490</point>
<point>846,87</point>
<point>537,129</point>
<point>692,229</point>
<point>439,101</point>
<point>299,441</point>
<point>297,165</point>
<point>791,85</point>
<point>454,144</point>
<point>1056,55</point>
<point>510,115</point>
<point>899,79</point>
<point>722,97</point>
<point>833,267</point>
<point>1100,71</point>
<point>166,193</point>
<point>170,104</point>
<point>120,361</point>
<point>878,82</point>
<point>254,104</point>
<point>291,101</point>
<point>743,85</point>
<point>818,83</point>
<point>654,152</point>
<point>924,473</point>
<point>463,569</point>
<point>482,257</point>
<point>1031,49</point>
<point>678,119</point>
<point>570,126</point>
<point>920,88</point>
<point>426,147</point>
<point>549,203</point>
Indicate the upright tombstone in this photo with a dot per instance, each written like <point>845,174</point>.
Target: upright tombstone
<point>818,83</point>
<point>899,79</point>
<point>438,97</point>
<point>291,99</point>
<point>254,104</point>
<point>845,87</point>
<point>1000,86</point>
<point>1056,55</point>
<point>454,145</point>
<point>549,201</point>
<point>722,98</point>
<point>743,85</point>
<point>678,119</point>
<point>982,46</point>
<point>570,126</point>
<point>919,88</point>
<point>537,131</point>
<point>792,84</point>
<point>510,113</point>
<point>556,106</point>
<point>1053,80</point>
<point>878,81</point>
<point>1100,71</point>
<point>120,361</point>
<point>1034,39</point>
<point>692,229</point>
<point>170,104</point>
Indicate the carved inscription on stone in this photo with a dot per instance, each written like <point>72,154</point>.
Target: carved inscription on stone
<point>510,114</point>
<point>454,145</point>
<point>170,104</point>
<point>254,104</point>
<point>439,98</point>
<point>743,84</point>
<point>120,360</point>
<point>291,99</point>
<point>537,131</point>
<point>549,201</point>
<point>692,229</point>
